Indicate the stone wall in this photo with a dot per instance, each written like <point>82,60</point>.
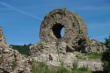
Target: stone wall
<point>96,46</point>
<point>75,28</point>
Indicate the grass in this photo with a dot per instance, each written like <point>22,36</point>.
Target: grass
<point>80,70</point>
<point>40,67</point>
<point>90,56</point>
<point>75,66</point>
<point>62,69</point>
<point>83,68</point>
<point>95,55</point>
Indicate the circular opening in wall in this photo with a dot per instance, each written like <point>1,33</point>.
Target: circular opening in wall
<point>58,30</point>
<point>62,32</point>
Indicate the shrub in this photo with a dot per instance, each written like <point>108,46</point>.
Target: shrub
<point>106,56</point>
<point>106,60</point>
<point>107,42</point>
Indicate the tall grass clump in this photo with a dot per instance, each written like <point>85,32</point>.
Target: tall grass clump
<point>62,69</point>
<point>75,66</point>
<point>83,70</point>
<point>40,67</point>
<point>80,70</point>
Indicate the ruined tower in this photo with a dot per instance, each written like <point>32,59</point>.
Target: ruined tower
<point>75,35</point>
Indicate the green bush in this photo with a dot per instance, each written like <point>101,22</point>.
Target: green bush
<point>107,42</point>
<point>106,56</point>
<point>106,65</point>
<point>106,60</point>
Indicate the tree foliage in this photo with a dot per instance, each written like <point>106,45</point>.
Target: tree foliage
<point>106,56</point>
<point>107,42</point>
<point>23,49</point>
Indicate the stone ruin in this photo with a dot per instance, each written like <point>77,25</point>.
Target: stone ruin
<point>11,61</point>
<point>75,29</point>
<point>63,49</point>
<point>66,48</point>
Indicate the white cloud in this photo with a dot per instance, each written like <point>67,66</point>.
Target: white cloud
<point>20,11</point>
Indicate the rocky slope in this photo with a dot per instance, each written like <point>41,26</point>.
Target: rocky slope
<point>11,61</point>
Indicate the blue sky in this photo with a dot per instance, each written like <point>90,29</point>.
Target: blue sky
<point>21,19</point>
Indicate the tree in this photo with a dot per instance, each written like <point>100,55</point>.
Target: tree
<point>106,56</point>
<point>107,42</point>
